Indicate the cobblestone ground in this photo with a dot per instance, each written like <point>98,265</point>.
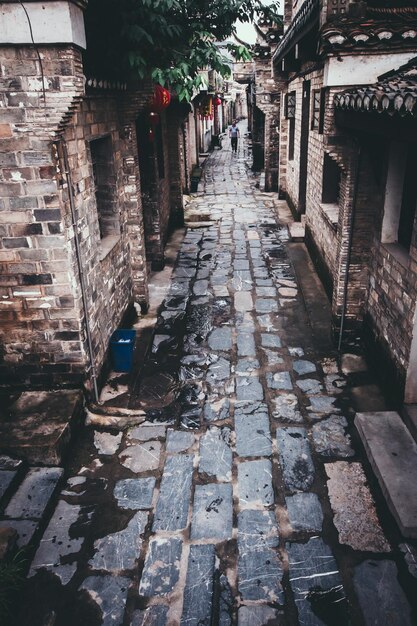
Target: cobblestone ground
<point>242,499</point>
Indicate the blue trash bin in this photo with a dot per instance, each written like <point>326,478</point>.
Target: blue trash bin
<point>122,343</point>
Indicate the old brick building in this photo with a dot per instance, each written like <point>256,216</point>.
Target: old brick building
<point>264,95</point>
<point>338,173</point>
<point>87,196</point>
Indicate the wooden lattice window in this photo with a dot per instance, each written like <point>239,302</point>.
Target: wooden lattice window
<point>290,105</point>
<point>317,115</point>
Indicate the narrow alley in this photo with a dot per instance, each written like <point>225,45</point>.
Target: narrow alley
<point>242,496</point>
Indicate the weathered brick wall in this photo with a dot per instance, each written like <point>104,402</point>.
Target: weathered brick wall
<point>392,288</point>
<point>109,273</point>
<point>176,157</point>
<point>41,308</point>
<point>392,300</point>
<point>292,181</point>
<point>268,101</point>
<point>322,230</point>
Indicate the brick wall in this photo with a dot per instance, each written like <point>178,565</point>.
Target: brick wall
<point>41,309</point>
<point>268,102</point>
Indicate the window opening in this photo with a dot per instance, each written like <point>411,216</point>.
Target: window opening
<point>105,186</point>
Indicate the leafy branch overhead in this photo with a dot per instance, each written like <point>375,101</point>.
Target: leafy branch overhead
<point>170,41</point>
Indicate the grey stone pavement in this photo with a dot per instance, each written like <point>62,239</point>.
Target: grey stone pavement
<point>244,498</point>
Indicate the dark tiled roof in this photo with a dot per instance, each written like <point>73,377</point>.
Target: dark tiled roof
<point>305,19</point>
<point>377,29</point>
<point>394,94</point>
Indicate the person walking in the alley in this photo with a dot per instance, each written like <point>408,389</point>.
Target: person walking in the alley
<point>234,134</point>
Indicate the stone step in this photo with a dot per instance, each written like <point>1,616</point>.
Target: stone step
<point>37,426</point>
<point>392,453</point>
<point>28,505</point>
<point>296,231</point>
<point>409,414</point>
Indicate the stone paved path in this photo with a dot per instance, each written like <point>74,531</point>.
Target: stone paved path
<point>216,511</point>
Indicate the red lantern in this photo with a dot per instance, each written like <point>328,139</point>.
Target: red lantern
<point>153,118</point>
<point>217,101</point>
<point>161,98</point>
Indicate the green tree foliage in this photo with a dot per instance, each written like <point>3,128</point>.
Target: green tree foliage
<point>168,41</point>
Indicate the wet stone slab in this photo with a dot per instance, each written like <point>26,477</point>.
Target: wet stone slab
<point>381,598</point>
<point>162,564</point>
<point>141,457</point>
<point>354,510</point>
<point>266,305</point>
<point>32,497</point>
<point>198,592</point>
<point>286,408</point>
<point>6,479</point>
<point>216,409</point>
<point>155,615</point>
<point>257,529</point>
<point>295,458</point>
<point>259,569</point>
<point>220,339</point>
<point>255,483</point>
<point>134,493</point>
<point>109,593</point>
<point>316,584</point>
<point>243,301</point>
<point>246,366</point>
<point>216,454</point>
<point>174,496</point>
<point>178,441</point>
<point>25,530</point>
<point>323,405</point>
<point>249,389</point>
<point>59,547</point>
<point>212,512</point>
<point>273,358</point>
<point>270,341</point>
<point>281,381</point>
<point>304,512</point>
<point>304,367</point>
<point>218,371</point>
<point>200,287</point>
<point>146,432</point>
<point>106,443</point>
<point>246,344</point>
<point>253,437</point>
<point>118,551</point>
<point>310,385</point>
<point>330,438</point>
<point>259,615</point>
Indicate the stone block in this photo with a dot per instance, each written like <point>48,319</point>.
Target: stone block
<point>33,495</point>
<point>392,453</point>
<point>162,566</point>
<point>381,598</point>
<point>175,492</point>
<point>58,548</point>
<point>255,483</point>
<point>109,593</point>
<point>198,592</point>
<point>316,584</point>
<point>212,512</point>
<point>295,458</point>
<point>120,550</point>
<point>41,425</point>
<point>354,510</point>
<point>216,454</point>
<point>134,493</point>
